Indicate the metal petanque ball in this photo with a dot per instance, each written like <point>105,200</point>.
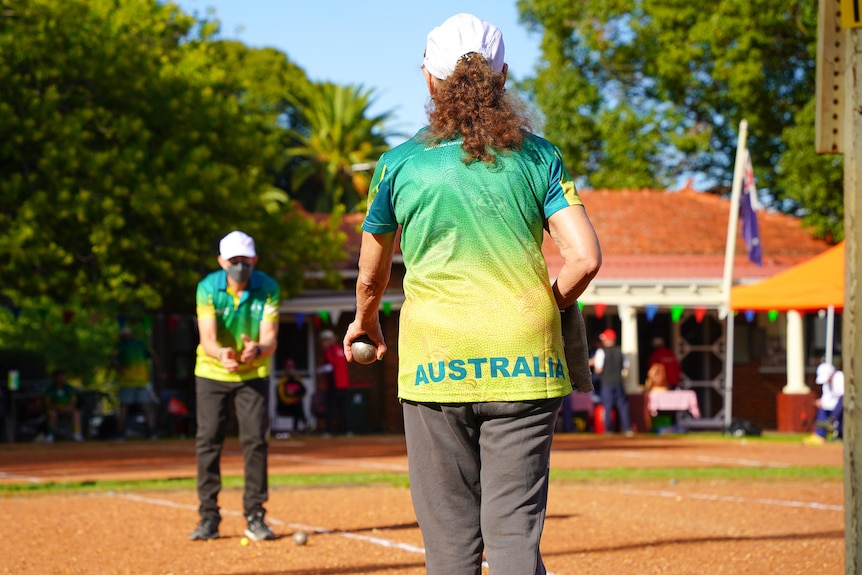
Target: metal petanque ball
<point>363,350</point>
<point>300,537</point>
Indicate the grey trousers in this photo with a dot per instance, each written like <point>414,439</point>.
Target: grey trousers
<point>212,399</point>
<point>479,482</point>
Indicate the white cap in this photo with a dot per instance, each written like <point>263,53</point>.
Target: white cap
<point>327,334</point>
<point>236,244</point>
<point>824,372</point>
<point>460,35</point>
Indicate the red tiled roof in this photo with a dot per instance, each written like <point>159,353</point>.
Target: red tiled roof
<point>651,234</point>
<point>685,222</point>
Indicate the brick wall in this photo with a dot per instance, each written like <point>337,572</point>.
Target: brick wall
<point>755,396</point>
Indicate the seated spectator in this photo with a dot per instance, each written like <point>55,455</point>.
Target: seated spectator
<point>830,405</point>
<point>656,379</point>
<point>61,398</point>
<point>664,357</point>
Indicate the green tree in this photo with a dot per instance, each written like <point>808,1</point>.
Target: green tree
<point>336,145</point>
<point>639,94</point>
<point>815,181</point>
<point>133,140</point>
<point>73,339</point>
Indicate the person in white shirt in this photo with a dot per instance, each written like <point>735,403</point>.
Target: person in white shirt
<point>830,405</point>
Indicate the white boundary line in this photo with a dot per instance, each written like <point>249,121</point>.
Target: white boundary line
<point>708,459</point>
<point>726,498</point>
<point>309,528</point>
<point>300,526</point>
<point>29,478</point>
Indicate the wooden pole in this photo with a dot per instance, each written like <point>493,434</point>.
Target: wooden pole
<point>852,328</point>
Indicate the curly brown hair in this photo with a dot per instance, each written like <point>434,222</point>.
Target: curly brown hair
<point>473,103</point>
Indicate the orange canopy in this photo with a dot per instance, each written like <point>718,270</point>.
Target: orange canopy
<point>812,285</point>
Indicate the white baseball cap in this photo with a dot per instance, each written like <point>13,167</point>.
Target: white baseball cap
<point>460,35</point>
<point>824,372</point>
<point>236,244</point>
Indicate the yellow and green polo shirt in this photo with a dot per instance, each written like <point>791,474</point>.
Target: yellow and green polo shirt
<point>480,322</point>
<point>235,315</point>
<point>133,363</point>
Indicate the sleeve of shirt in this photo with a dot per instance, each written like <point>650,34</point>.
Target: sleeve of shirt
<point>562,192</point>
<point>270,308</point>
<point>599,359</point>
<point>204,301</point>
<point>380,216</point>
<point>838,384</point>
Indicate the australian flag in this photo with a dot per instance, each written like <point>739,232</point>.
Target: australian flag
<point>748,206</point>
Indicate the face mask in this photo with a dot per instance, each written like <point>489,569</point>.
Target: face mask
<point>239,272</point>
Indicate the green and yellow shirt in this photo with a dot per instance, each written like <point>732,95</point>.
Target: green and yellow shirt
<point>480,322</point>
<point>235,315</point>
<point>133,363</point>
<point>60,396</point>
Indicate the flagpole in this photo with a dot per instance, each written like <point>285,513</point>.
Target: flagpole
<point>733,219</point>
<point>727,280</point>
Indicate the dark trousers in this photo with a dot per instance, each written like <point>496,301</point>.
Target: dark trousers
<point>836,415</point>
<point>250,399</point>
<point>479,482</point>
<point>296,412</point>
<point>336,411</point>
<point>567,415</point>
<point>614,396</point>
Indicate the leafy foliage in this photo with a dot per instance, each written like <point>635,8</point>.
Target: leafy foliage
<point>136,140</point>
<point>72,339</point>
<point>337,146</point>
<point>816,182</point>
<point>639,94</point>
<point>133,140</point>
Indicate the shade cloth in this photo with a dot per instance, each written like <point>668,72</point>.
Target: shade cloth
<point>812,285</point>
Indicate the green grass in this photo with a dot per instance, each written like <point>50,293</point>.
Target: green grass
<point>400,480</point>
<point>322,480</point>
<point>759,473</point>
<point>766,437</point>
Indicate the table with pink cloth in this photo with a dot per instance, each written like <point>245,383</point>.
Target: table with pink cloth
<point>580,401</point>
<point>673,400</point>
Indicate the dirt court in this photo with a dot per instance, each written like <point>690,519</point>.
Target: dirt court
<point>639,526</point>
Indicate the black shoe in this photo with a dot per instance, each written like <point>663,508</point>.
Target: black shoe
<point>257,528</point>
<point>206,529</point>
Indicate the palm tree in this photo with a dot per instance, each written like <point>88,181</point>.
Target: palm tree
<point>339,143</point>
